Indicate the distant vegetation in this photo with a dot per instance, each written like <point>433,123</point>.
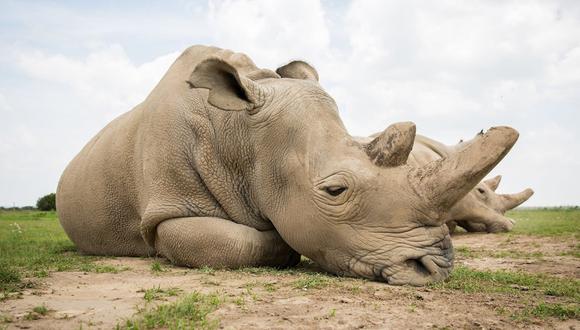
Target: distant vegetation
<point>47,202</point>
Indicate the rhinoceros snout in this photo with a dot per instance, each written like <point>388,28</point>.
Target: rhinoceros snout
<point>432,267</point>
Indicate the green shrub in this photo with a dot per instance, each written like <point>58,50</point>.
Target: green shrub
<point>47,203</point>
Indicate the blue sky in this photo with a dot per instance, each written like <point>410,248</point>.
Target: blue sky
<point>453,67</point>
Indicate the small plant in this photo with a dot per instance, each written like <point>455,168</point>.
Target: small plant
<point>156,267</point>
<point>270,287</point>
<point>207,270</point>
<point>6,319</point>
<point>190,312</point>
<point>42,310</point>
<point>36,313</point>
<point>158,293</point>
<point>240,301</point>
<point>332,313</point>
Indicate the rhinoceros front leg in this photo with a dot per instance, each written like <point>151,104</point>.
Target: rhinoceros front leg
<point>215,242</point>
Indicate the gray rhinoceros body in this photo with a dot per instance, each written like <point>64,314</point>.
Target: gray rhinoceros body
<point>165,159</point>
<point>228,165</point>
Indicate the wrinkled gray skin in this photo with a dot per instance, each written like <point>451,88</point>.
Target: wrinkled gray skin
<point>228,165</point>
<point>482,209</point>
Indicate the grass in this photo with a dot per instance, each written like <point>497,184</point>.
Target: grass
<point>156,267</point>
<point>563,312</point>
<point>157,293</point>
<point>546,222</point>
<point>190,312</point>
<point>468,252</point>
<point>33,244</point>
<point>36,313</point>
<point>313,281</point>
<point>473,281</point>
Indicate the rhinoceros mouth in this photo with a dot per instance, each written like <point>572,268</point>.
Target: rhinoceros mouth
<point>419,270</point>
<point>423,270</point>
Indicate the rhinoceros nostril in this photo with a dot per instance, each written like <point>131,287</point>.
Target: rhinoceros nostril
<point>429,264</point>
<point>418,266</point>
<point>425,265</point>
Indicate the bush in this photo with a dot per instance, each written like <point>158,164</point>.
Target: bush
<point>47,203</point>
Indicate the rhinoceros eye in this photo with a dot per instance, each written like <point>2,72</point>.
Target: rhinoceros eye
<point>335,191</point>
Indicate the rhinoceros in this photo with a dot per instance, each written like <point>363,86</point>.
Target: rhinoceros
<point>228,165</point>
<point>482,209</point>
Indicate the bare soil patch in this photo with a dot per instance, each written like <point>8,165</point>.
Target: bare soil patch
<point>280,300</point>
<point>533,254</point>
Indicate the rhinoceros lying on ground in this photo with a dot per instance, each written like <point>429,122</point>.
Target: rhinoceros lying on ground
<point>228,165</point>
<point>481,209</point>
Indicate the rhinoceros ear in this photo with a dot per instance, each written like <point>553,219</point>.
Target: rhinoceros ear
<point>228,89</point>
<point>298,70</point>
<point>493,183</point>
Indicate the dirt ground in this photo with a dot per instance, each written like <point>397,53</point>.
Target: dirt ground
<point>272,300</point>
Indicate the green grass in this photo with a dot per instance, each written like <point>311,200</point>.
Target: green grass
<point>313,281</point>
<point>33,244</point>
<point>157,293</point>
<point>42,310</point>
<point>188,313</point>
<point>546,222</point>
<point>156,267</point>
<point>468,252</point>
<point>563,312</point>
<point>473,281</point>
<point>36,313</point>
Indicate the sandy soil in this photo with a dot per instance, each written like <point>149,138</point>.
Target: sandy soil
<point>102,301</point>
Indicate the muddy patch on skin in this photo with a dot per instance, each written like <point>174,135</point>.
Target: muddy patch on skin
<point>302,298</point>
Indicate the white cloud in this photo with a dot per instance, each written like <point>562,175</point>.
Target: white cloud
<point>271,31</point>
<point>106,78</point>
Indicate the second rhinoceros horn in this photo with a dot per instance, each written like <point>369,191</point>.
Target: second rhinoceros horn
<point>511,201</point>
<point>443,182</point>
<point>508,201</point>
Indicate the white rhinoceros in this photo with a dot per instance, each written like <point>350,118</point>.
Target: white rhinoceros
<point>228,165</point>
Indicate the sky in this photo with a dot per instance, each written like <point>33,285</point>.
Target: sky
<point>67,68</point>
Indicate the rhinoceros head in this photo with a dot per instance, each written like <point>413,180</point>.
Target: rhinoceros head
<point>482,209</point>
<point>356,209</point>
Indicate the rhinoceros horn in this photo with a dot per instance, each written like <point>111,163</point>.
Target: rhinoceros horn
<point>443,182</point>
<point>493,183</point>
<point>511,201</point>
<point>392,147</point>
<point>228,88</point>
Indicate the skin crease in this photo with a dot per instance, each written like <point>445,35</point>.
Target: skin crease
<point>228,165</point>
<point>482,209</point>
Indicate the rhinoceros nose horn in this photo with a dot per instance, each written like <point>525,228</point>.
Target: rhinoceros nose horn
<point>443,182</point>
<point>392,147</point>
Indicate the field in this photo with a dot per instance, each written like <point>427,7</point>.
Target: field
<point>528,278</point>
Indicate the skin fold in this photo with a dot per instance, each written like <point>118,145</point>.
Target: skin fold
<point>228,165</point>
<point>482,209</point>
